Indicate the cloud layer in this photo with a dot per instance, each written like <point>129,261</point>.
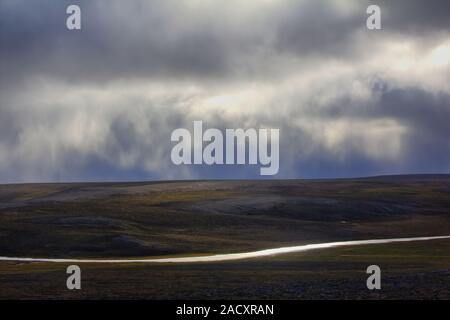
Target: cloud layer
<point>101,103</point>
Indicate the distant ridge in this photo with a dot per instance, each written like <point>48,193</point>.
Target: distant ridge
<point>415,176</point>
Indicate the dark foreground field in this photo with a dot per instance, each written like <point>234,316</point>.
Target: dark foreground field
<point>107,220</point>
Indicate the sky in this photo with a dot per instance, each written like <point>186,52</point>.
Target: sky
<point>100,103</point>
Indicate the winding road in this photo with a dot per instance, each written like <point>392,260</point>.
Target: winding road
<point>230,256</point>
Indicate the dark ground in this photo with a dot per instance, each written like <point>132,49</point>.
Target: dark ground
<point>107,220</point>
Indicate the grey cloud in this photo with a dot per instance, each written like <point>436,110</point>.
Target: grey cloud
<point>140,39</point>
<point>315,28</point>
<point>107,135</point>
<point>168,39</point>
<point>416,16</point>
<point>136,141</point>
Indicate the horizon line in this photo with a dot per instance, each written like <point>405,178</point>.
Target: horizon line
<point>231,179</point>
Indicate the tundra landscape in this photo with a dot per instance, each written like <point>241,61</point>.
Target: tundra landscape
<point>140,220</point>
<point>224,151</point>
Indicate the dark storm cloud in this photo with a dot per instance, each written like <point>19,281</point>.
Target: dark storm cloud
<point>315,28</point>
<point>143,38</point>
<point>416,16</point>
<point>427,115</point>
<point>166,39</point>
<point>426,147</point>
<point>101,103</point>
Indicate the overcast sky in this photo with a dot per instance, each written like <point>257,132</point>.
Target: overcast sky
<point>101,103</point>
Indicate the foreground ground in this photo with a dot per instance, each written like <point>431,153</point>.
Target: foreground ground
<point>179,218</point>
<point>409,271</point>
